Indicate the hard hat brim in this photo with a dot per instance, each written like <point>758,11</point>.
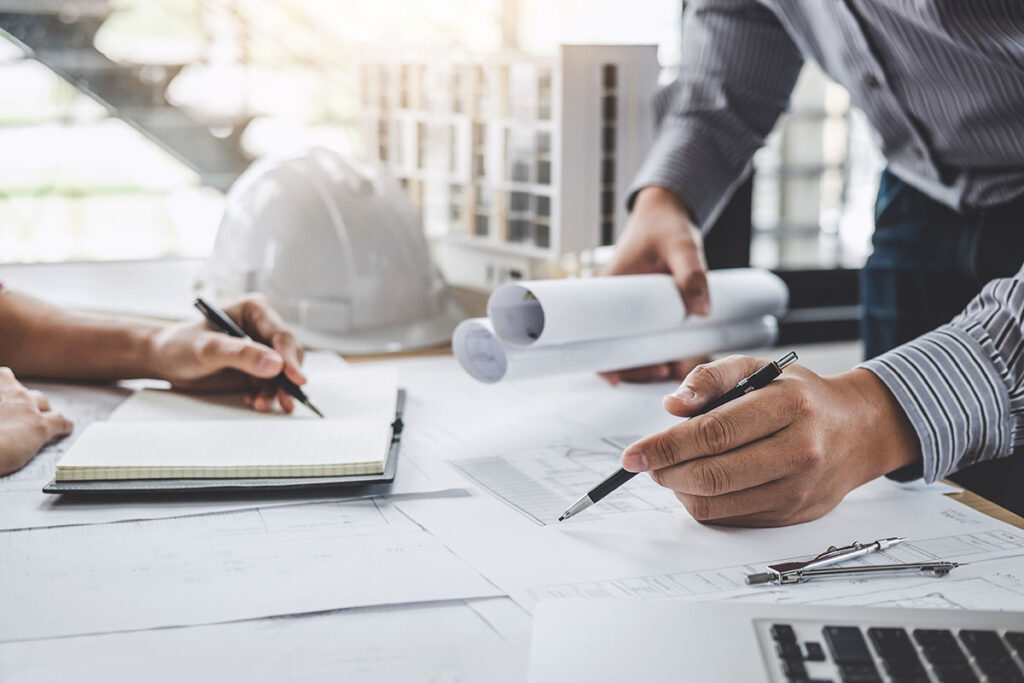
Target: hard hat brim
<point>432,332</point>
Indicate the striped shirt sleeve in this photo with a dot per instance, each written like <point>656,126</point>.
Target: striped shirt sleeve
<point>737,70</point>
<point>962,385</point>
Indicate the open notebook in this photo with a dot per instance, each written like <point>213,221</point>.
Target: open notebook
<point>165,435</point>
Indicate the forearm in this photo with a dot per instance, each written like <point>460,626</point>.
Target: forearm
<point>737,70</point>
<point>43,341</point>
<point>962,385</point>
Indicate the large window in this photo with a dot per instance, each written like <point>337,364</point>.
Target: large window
<point>76,183</point>
<point>815,182</point>
<point>189,91</point>
<point>144,177</point>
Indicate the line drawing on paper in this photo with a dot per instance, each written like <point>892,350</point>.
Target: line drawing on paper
<point>1000,587</point>
<point>542,482</point>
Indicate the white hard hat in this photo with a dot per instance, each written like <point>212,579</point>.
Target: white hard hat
<point>338,250</point>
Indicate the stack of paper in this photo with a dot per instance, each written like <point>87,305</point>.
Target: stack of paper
<point>526,451</point>
<point>548,327</point>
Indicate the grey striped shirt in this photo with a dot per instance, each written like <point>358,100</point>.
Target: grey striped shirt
<point>942,81</point>
<point>962,385</point>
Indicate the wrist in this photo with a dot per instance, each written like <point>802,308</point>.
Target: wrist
<point>144,344</point>
<point>657,197</point>
<point>892,442</point>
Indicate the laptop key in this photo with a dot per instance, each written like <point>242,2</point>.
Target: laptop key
<point>783,633</point>
<point>904,670</point>
<point>943,652</point>
<point>991,655</point>
<point>1016,641</point>
<point>850,653</point>
<point>847,645</point>
<point>788,650</point>
<point>813,652</point>
<point>859,672</point>
<point>984,644</point>
<point>899,657</point>
<point>956,673</point>
<point>892,643</point>
<point>794,669</point>
<point>939,646</point>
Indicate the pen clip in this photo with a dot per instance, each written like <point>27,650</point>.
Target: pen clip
<point>833,551</point>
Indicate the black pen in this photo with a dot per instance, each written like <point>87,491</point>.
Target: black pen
<point>757,380</point>
<point>228,326</point>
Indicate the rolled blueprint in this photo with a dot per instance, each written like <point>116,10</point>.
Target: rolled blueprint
<point>548,312</point>
<point>487,358</point>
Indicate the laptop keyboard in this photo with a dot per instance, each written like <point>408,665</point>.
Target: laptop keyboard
<point>809,652</point>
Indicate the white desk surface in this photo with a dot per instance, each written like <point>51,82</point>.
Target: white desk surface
<point>164,289</point>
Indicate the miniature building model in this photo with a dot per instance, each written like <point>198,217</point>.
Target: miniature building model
<point>513,160</point>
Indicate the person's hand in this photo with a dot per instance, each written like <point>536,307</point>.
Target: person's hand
<point>783,454</point>
<point>660,238</point>
<point>659,372</point>
<point>194,357</point>
<point>26,423</point>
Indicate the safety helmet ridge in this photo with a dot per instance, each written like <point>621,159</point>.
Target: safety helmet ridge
<point>337,248</point>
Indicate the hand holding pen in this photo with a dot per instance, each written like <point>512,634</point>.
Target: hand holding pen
<point>784,454</point>
<point>193,357</point>
<point>286,387</point>
<point>759,379</point>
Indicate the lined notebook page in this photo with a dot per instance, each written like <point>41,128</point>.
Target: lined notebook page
<point>227,449</point>
<point>366,391</point>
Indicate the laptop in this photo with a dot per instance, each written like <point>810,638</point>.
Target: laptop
<point>680,641</point>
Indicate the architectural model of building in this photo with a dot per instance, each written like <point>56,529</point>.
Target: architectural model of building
<point>512,160</point>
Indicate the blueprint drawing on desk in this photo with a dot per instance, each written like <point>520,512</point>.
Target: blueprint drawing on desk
<point>445,642</point>
<point>992,578</point>
<point>222,567</point>
<point>542,482</point>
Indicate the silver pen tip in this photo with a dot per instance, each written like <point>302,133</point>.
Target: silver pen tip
<point>788,359</point>
<point>579,506</point>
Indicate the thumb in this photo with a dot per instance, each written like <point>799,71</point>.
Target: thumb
<point>709,381</point>
<point>57,425</point>
<point>219,351</point>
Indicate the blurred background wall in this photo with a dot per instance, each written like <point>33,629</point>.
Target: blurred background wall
<point>123,122</point>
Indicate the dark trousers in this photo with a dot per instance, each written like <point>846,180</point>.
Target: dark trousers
<point>929,261</point>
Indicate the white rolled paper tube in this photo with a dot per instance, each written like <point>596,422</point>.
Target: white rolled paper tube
<point>546,312</point>
<point>485,357</point>
<point>741,294</point>
<point>551,312</point>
